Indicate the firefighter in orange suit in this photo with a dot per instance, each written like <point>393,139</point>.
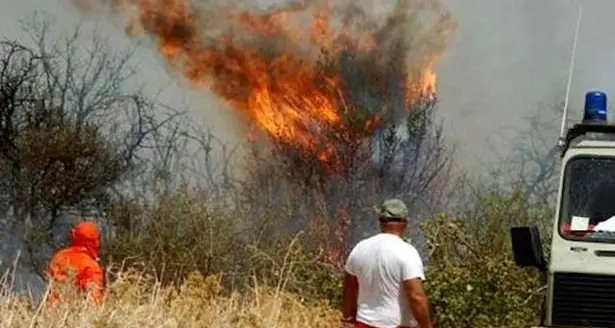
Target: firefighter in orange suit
<point>79,263</point>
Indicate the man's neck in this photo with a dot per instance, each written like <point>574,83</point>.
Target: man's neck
<point>392,232</point>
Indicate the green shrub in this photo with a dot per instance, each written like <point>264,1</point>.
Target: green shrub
<point>185,233</point>
<point>181,233</point>
<point>472,279</point>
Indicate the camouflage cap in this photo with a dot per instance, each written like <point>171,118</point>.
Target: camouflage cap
<point>393,209</point>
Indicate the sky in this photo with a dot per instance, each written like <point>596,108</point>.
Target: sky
<point>507,59</point>
<point>510,58</point>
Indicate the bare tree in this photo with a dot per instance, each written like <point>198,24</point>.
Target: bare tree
<point>72,131</point>
<point>536,154</point>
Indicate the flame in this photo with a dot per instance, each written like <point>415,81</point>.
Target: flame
<point>428,82</point>
<point>284,78</point>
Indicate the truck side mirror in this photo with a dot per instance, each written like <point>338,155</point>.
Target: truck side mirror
<point>527,247</point>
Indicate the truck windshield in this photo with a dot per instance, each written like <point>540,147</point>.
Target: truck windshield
<point>588,201</point>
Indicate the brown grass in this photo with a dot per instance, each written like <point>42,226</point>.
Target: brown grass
<point>137,300</point>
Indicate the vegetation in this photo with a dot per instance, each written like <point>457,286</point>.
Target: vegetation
<point>76,138</point>
<point>136,300</point>
<point>225,281</point>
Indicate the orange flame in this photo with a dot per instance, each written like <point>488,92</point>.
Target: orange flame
<point>287,79</point>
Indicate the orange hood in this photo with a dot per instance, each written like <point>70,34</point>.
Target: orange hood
<point>85,234</point>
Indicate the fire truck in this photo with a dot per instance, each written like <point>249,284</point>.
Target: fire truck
<point>580,272</point>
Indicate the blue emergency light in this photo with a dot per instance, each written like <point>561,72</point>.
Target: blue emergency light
<point>595,107</point>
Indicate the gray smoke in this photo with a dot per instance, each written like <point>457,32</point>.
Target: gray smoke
<point>510,58</point>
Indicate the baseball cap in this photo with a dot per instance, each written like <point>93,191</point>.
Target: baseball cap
<point>392,209</point>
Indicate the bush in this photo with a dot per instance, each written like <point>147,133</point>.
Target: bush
<point>472,278</point>
<point>186,232</point>
<point>181,233</point>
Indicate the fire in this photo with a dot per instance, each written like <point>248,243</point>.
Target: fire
<point>291,81</point>
<point>428,83</point>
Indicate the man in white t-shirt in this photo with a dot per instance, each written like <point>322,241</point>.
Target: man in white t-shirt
<point>383,280</point>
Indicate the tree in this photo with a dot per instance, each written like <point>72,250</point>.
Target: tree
<point>537,155</point>
<point>390,148</point>
<point>72,131</point>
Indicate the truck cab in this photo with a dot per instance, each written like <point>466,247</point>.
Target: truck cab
<point>580,273</point>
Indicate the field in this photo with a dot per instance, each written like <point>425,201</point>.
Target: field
<point>135,301</point>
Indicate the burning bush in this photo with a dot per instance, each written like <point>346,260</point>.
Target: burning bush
<point>314,76</point>
<point>341,96</point>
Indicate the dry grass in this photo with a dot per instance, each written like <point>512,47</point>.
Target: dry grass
<point>134,300</point>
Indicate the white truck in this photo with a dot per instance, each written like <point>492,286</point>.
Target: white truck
<point>580,273</point>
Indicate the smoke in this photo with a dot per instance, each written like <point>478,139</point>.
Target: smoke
<point>509,59</point>
<point>290,69</point>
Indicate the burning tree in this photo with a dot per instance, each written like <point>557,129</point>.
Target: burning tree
<point>341,97</point>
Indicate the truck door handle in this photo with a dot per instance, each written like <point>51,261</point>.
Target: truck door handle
<point>605,253</point>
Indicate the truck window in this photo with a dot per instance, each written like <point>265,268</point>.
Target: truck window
<point>588,199</point>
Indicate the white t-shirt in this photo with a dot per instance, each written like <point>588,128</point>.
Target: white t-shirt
<point>381,263</point>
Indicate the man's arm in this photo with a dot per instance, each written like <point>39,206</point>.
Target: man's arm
<point>419,304</point>
<point>413,275</point>
<point>349,296</point>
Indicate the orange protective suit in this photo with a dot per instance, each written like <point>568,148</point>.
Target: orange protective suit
<point>79,263</point>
